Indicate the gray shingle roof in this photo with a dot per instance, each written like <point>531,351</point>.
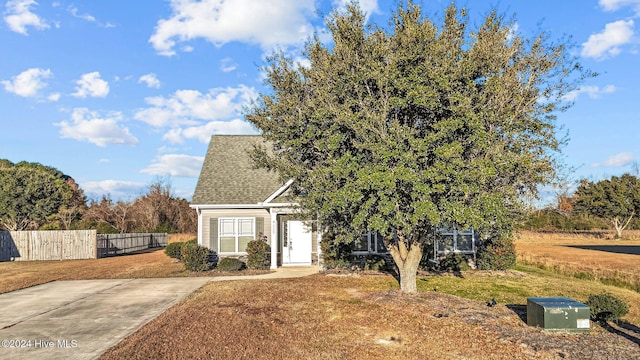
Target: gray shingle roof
<point>228,175</point>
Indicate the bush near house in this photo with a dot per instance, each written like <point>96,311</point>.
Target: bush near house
<point>375,262</point>
<point>174,250</point>
<point>258,255</point>
<point>335,254</point>
<point>454,262</point>
<point>496,254</point>
<point>195,257</point>
<point>230,264</point>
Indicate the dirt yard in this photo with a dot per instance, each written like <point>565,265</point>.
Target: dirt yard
<point>353,317</point>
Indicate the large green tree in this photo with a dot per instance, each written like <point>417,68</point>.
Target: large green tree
<point>30,193</point>
<point>398,130</point>
<point>617,200</point>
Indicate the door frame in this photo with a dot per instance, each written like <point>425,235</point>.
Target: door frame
<point>305,235</point>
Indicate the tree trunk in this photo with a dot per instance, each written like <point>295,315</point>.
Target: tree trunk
<point>619,226</point>
<point>407,260</point>
<point>618,230</point>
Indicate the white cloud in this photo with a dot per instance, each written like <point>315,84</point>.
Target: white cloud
<point>74,11</point>
<point>18,16</point>
<point>53,97</point>
<point>302,62</point>
<point>266,23</point>
<point>608,42</point>
<point>513,31</point>
<point>104,161</point>
<point>177,165</point>
<point>100,130</point>
<point>614,5</point>
<point>227,65</point>
<point>151,80</point>
<point>28,82</point>
<point>91,84</point>
<point>203,133</point>
<point>594,92</point>
<point>367,6</point>
<point>190,107</point>
<point>117,189</point>
<point>618,160</point>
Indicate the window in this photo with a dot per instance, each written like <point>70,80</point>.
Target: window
<point>451,239</point>
<point>369,242</point>
<point>235,233</point>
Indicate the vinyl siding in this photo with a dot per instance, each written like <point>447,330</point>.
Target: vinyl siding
<point>209,214</point>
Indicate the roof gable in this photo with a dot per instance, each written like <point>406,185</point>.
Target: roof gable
<point>228,175</point>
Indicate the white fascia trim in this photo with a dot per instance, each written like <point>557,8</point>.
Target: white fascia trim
<point>227,206</point>
<point>241,206</point>
<point>279,205</point>
<point>279,191</point>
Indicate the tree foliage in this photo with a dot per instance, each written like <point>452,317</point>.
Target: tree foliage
<point>616,199</point>
<point>399,130</point>
<point>34,196</point>
<point>30,193</point>
<point>156,211</point>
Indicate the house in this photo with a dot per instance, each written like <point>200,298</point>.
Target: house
<point>237,203</point>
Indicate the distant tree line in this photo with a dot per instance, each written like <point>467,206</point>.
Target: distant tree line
<point>607,204</point>
<point>34,196</point>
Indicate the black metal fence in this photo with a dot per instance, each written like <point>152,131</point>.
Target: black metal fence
<point>119,244</point>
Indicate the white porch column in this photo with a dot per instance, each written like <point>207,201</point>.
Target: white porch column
<point>274,239</point>
<point>200,239</point>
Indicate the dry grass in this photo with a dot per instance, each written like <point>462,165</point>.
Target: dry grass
<point>181,237</point>
<point>552,251</point>
<point>22,274</point>
<point>515,286</point>
<point>350,317</point>
<point>364,317</point>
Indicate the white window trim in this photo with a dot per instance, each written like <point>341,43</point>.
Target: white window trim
<point>236,233</point>
<point>454,232</point>
<point>372,244</point>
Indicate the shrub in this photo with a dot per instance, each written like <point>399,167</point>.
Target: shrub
<point>606,307</point>
<point>195,257</point>
<point>375,262</point>
<point>496,254</point>
<point>337,264</point>
<point>454,262</point>
<point>230,264</point>
<point>428,255</point>
<point>174,250</point>
<point>192,241</point>
<point>258,255</point>
<point>335,254</point>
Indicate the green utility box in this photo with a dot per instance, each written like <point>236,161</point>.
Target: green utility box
<point>558,314</point>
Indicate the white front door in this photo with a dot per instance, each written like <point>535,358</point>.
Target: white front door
<point>296,247</point>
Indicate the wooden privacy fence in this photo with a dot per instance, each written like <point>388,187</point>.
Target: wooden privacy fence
<point>73,244</point>
<point>118,244</point>
<point>47,245</point>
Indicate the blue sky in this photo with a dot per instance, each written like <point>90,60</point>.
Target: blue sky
<point>118,93</point>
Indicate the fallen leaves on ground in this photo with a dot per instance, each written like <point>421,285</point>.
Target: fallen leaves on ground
<point>350,317</point>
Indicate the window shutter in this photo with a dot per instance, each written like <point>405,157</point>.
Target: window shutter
<point>260,227</point>
<point>213,234</point>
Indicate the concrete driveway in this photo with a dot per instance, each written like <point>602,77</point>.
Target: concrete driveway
<point>80,319</point>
